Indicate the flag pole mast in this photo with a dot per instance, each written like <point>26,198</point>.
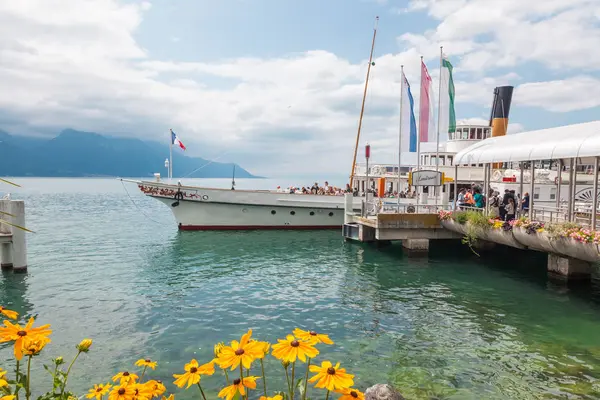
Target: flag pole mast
<point>437,146</point>
<point>170,155</point>
<point>362,108</point>
<point>419,136</point>
<point>400,132</point>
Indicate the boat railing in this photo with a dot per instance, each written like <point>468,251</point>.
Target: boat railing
<point>408,206</point>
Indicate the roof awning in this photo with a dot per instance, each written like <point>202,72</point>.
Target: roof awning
<point>564,142</point>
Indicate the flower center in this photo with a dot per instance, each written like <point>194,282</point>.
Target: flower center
<point>239,352</point>
<point>148,360</point>
<point>331,371</point>
<point>237,381</point>
<point>295,343</point>
<point>121,391</point>
<point>22,333</point>
<point>353,394</point>
<point>99,389</point>
<point>193,370</point>
<point>313,333</point>
<point>125,373</point>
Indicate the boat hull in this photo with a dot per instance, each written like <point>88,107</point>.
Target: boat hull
<point>197,208</point>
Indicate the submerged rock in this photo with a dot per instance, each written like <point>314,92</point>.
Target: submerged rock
<point>382,391</point>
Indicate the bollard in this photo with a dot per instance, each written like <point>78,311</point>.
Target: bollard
<point>19,246</point>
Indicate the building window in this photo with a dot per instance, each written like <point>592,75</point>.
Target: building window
<point>552,193</point>
<point>536,193</point>
<point>473,134</point>
<point>488,133</point>
<point>433,160</point>
<point>480,133</point>
<point>449,160</point>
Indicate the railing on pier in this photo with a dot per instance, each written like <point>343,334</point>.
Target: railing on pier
<point>376,206</point>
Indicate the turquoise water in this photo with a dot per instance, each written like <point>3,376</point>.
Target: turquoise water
<point>450,326</point>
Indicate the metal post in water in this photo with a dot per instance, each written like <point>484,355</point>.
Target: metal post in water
<point>19,245</point>
<point>595,199</point>
<point>573,189</point>
<point>559,182</point>
<point>455,187</point>
<point>531,189</point>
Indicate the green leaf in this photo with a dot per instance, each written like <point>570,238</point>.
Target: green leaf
<point>300,387</point>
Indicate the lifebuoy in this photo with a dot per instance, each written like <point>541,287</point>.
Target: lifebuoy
<point>410,209</point>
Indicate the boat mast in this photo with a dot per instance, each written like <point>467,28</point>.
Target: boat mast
<point>362,108</point>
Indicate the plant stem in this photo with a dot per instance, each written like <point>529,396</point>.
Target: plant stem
<point>143,372</point>
<point>287,377</point>
<point>242,376</point>
<point>17,387</point>
<point>293,382</point>
<point>54,378</point>
<point>306,379</point>
<point>327,397</point>
<point>226,376</point>
<point>262,368</point>
<point>201,391</point>
<point>62,391</point>
<point>28,389</point>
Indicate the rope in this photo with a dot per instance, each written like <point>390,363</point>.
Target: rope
<point>206,165</point>
<point>138,207</point>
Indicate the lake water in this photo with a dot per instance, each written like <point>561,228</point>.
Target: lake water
<point>114,268</point>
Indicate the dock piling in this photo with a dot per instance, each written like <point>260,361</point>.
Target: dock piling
<point>13,241</point>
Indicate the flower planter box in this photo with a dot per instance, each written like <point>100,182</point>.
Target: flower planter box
<point>491,235</point>
<point>564,246</point>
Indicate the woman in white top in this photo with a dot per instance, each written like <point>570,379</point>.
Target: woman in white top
<point>510,209</point>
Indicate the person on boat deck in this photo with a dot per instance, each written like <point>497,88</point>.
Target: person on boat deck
<point>510,209</point>
<point>525,203</point>
<point>478,197</point>
<point>348,188</point>
<point>326,187</point>
<point>469,200</point>
<point>460,201</point>
<point>495,204</point>
<point>315,188</point>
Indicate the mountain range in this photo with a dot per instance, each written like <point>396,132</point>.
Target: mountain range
<point>87,154</point>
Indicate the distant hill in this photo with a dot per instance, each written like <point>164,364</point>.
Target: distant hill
<point>87,154</point>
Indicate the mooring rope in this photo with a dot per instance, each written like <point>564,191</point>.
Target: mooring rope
<point>205,165</point>
<point>137,206</point>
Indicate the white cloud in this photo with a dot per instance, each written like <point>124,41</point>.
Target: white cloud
<point>69,63</point>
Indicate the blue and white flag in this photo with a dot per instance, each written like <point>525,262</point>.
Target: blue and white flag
<point>407,119</point>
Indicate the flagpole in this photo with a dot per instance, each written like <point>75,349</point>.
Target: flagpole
<point>419,134</point>
<point>437,146</point>
<point>400,132</point>
<point>170,155</point>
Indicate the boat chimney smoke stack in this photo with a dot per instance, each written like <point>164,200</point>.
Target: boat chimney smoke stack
<point>500,110</point>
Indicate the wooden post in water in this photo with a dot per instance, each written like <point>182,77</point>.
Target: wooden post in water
<point>14,244</point>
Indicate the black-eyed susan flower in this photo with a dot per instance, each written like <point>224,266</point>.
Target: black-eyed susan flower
<point>330,377</point>
<point>290,348</point>
<point>238,386</point>
<point>156,387</point>
<point>245,351</point>
<point>9,313</point>
<point>312,336</point>
<point>125,378</point>
<point>276,397</point>
<point>122,392</point>
<point>351,394</point>
<point>192,373</point>
<point>33,346</point>
<point>218,347</point>
<point>3,381</point>
<point>146,363</point>
<point>171,397</point>
<point>84,345</point>
<point>17,333</point>
<point>8,397</point>
<point>141,391</point>
<point>98,391</point>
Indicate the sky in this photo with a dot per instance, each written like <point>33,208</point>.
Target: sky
<point>276,85</point>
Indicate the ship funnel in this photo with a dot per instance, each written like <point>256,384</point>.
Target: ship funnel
<point>500,110</point>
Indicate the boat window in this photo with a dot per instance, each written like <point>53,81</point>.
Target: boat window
<point>449,160</point>
<point>331,214</point>
<point>479,133</point>
<point>292,212</point>
<point>488,133</point>
<point>552,193</point>
<point>536,193</point>
<point>433,160</point>
<point>465,133</point>
<point>442,160</point>
<point>312,213</point>
<point>273,212</point>
<point>472,133</point>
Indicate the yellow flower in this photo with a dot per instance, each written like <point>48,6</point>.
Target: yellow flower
<point>98,391</point>
<point>331,378</point>
<point>292,348</point>
<point>156,387</point>
<point>351,394</point>
<point>142,391</point>
<point>84,345</point>
<point>192,373</point>
<point>243,352</point>
<point>312,336</point>
<point>16,333</point>
<point>264,345</point>
<point>146,363</point>
<point>239,386</point>
<point>276,397</point>
<point>34,345</point>
<point>123,392</point>
<point>9,313</point>
<point>218,347</point>
<point>9,397</point>
<point>125,378</point>
<point>3,381</point>
<point>171,397</point>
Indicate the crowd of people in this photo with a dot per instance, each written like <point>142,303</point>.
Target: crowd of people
<point>327,189</point>
<point>504,207</point>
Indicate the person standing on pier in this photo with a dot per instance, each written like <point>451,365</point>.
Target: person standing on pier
<point>525,203</point>
<point>510,209</point>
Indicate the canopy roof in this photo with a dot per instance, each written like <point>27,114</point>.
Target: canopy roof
<point>563,142</point>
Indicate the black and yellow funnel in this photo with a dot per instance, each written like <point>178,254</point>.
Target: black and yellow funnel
<point>500,110</point>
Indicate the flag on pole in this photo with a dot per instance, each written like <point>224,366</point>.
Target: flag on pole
<point>407,119</point>
<point>175,140</point>
<point>426,109</point>
<point>447,115</point>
